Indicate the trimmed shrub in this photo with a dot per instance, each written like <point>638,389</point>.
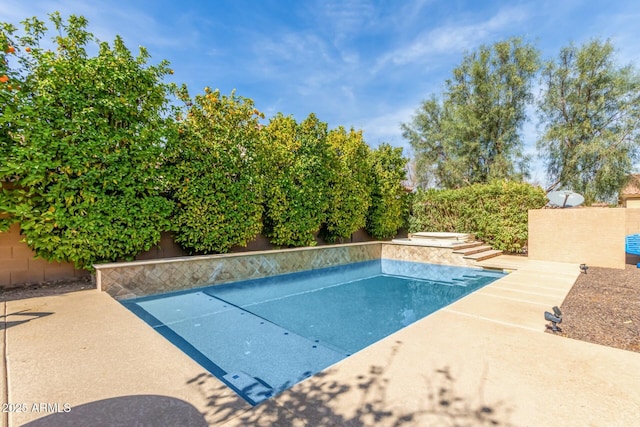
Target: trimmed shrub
<point>387,213</point>
<point>217,173</point>
<point>350,195</point>
<point>298,172</point>
<point>497,212</point>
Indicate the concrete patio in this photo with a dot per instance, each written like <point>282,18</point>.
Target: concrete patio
<point>484,358</point>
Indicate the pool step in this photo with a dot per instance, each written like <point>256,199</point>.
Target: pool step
<point>462,246</point>
<point>252,389</point>
<point>472,250</point>
<point>480,256</point>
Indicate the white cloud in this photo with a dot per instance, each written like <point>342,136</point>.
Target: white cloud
<point>106,20</point>
<point>386,126</point>
<point>452,38</point>
<point>344,18</point>
<point>292,47</point>
<point>347,91</point>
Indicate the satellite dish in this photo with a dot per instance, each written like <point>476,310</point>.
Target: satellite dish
<point>565,198</point>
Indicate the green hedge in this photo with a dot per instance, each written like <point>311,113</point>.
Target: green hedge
<point>97,160</point>
<point>81,144</point>
<point>350,183</point>
<point>497,213</point>
<point>216,174</point>
<point>297,173</point>
<point>387,213</point>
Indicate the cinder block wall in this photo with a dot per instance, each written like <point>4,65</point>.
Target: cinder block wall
<point>18,264</point>
<point>19,267</point>
<point>594,236</point>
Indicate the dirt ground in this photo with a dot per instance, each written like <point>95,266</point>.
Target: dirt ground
<point>47,288</point>
<point>602,307</point>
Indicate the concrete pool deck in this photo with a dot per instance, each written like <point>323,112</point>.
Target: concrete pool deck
<point>484,357</point>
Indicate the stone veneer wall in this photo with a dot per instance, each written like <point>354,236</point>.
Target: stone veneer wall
<point>140,278</point>
<point>428,254</point>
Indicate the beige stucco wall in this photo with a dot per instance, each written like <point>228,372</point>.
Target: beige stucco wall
<point>594,236</point>
<point>633,220</point>
<point>632,203</point>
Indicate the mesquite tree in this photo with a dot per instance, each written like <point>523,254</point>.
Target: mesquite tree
<point>590,110</point>
<point>473,135</point>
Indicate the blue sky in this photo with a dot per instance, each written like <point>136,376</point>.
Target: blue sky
<point>366,64</point>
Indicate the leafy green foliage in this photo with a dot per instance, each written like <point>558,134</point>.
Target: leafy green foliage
<point>96,163</point>
<point>387,212</point>
<point>350,186</point>
<point>298,174</point>
<point>473,134</point>
<point>496,213</point>
<point>82,145</point>
<point>590,111</point>
<point>217,173</point>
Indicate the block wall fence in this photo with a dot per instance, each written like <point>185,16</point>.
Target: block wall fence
<point>593,236</point>
<point>19,266</point>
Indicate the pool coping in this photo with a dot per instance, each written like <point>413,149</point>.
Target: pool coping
<point>191,258</point>
<point>90,352</point>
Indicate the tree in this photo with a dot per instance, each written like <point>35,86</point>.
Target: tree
<point>472,135</point>
<point>217,179</point>
<point>82,145</point>
<point>388,210</point>
<point>590,111</point>
<point>350,184</point>
<point>298,172</point>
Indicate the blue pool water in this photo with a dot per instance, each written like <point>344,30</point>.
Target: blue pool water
<point>262,336</point>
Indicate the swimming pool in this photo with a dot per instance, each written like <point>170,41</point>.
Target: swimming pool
<point>262,336</point>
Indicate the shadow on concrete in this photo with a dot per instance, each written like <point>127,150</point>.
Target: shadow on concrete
<point>363,401</point>
<point>22,316</point>
<point>140,410</point>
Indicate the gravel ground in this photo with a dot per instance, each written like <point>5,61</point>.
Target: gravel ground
<point>44,289</point>
<point>602,307</point>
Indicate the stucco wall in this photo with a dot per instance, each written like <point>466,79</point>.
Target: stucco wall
<point>594,236</point>
<point>632,203</point>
